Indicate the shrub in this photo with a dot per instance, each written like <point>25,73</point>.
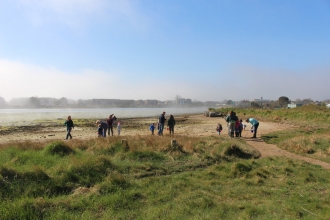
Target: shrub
<point>58,148</point>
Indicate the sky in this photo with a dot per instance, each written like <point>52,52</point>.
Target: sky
<point>208,50</point>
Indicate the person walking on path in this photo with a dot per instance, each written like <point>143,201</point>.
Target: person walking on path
<point>231,120</point>
<point>69,126</point>
<point>110,122</point>
<point>171,124</point>
<point>255,125</point>
<point>161,122</point>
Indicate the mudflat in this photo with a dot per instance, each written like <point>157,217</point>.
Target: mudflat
<point>186,125</point>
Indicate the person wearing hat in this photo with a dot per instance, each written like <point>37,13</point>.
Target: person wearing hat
<point>255,125</point>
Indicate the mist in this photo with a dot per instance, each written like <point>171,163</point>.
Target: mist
<point>20,117</point>
<point>236,83</point>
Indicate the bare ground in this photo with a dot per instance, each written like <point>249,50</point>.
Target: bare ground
<point>188,125</point>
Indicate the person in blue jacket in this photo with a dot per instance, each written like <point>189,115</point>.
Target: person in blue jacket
<point>254,127</point>
<point>152,128</point>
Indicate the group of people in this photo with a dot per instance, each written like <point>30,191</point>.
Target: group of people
<point>161,124</point>
<point>235,125</point>
<point>104,126</point>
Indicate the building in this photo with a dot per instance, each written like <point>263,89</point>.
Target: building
<point>294,105</point>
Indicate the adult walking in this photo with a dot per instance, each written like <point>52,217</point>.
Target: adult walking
<point>255,125</point>
<point>231,120</point>
<point>161,123</point>
<point>171,124</point>
<point>110,122</point>
<point>69,126</point>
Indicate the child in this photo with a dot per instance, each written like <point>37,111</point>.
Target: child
<point>99,131</point>
<point>152,128</point>
<point>240,128</point>
<point>219,128</point>
<point>237,127</point>
<point>118,128</point>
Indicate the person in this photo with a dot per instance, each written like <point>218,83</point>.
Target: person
<point>152,128</point>
<point>244,126</point>
<point>110,122</point>
<point>171,124</point>
<point>237,128</point>
<point>240,128</point>
<point>118,128</point>
<point>219,128</point>
<point>69,126</point>
<point>161,122</point>
<point>104,127</point>
<point>99,131</point>
<point>254,127</point>
<point>231,120</point>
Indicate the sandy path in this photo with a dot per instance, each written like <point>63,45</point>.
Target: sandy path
<point>194,125</point>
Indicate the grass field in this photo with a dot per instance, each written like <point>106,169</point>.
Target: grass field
<point>200,178</point>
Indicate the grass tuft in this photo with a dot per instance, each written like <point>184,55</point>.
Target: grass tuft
<point>58,148</point>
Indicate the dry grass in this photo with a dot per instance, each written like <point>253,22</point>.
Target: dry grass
<point>317,144</point>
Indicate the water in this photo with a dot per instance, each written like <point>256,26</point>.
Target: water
<point>26,116</point>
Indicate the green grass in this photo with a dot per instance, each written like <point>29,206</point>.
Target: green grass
<point>200,178</point>
<point>311,116</point>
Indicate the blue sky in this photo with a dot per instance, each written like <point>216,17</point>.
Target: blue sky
<point>144,49</point>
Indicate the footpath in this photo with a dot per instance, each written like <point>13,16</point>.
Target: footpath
<point>271,150</point>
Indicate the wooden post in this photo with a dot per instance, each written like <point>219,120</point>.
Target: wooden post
<point>173,143</point>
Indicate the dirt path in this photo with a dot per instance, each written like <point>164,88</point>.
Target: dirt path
<point>266,150</point>
<point>192,125</point>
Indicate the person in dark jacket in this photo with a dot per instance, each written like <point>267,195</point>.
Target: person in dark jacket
<point>104,126</point>
<point>69,126</point>
<point>110,122</point>
<point>170,124</point>
<point>161,121</point>
<point>231,120</point>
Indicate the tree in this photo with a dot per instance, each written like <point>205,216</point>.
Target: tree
<point>307,101</point>
<point>229,102</point>
<point>283,101</point>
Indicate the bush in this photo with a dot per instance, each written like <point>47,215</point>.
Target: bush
<point>58,148</point>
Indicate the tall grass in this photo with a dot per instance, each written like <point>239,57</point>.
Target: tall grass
<point>199,178</point>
